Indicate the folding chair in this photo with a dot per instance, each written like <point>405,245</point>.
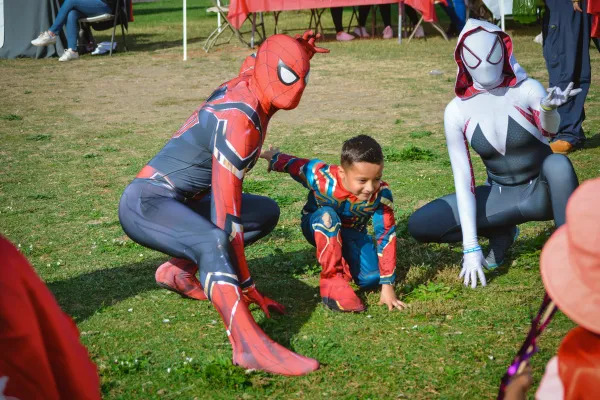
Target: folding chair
<point>223,24</point>
<point>102,22</point>
<point>434,24</point>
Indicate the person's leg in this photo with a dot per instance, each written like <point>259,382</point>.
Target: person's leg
<point>361,255</point>
<point>86,7</point>
<point>559,182</point>
<point>155,217</point>
<point>73,29</point>
<point>363,14</point>
<point>566,51</point>
<point>461,13</point>
<point>322,229</point>
<point>336,16</point>
<point>386,14</point>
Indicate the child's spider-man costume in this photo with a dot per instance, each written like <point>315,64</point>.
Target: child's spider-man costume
<point>335,221</point>
<point>188,202</point>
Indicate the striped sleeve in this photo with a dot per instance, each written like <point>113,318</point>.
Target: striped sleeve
<point>384,225</point>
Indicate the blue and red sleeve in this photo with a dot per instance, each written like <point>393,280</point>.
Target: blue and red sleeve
<point>384,225</point>
<point>294,166</point>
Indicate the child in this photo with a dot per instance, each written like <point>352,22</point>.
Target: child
<point>570,267</point>
<point>341,201</point>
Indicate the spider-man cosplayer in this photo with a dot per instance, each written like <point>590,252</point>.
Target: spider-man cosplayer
<point>334,220</point>
<point>188,202</point>
<point>506,117</point>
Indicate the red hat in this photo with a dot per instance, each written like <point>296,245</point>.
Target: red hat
<point>570,261</point>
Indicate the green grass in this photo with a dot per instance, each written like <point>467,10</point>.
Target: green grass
<point>75,134</point>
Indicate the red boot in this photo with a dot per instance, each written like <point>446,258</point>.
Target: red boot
<point>252,348</point>
<point>335,289</point>
<point>179,276</point>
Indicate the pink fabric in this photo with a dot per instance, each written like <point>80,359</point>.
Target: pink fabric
<point>239,9</point>
<point>551,387</point>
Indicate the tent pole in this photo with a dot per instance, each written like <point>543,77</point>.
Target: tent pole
<point>184,30</point>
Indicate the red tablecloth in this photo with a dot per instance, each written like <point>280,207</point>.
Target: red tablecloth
<point>239,9</point>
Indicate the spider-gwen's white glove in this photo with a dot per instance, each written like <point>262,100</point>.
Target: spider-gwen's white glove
<point>557,97</point>
<point>472,268</point>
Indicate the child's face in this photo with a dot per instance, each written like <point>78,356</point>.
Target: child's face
<point>362,179</point>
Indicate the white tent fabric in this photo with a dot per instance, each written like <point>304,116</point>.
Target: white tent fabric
<point>1,23</point>
<point>499,9</point>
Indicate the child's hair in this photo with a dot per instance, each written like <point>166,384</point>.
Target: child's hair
<point>361,148</point>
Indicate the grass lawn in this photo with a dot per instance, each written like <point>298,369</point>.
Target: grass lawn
<point>74,134</point>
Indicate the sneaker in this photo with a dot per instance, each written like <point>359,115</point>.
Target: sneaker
<point>343,36</point>
<point>45,39</point>
<point>419,33</point>
<point>498,247</point>
<point>361,32</point>
<point>69,55</point>
<point>388,32</point>
<point>561,147</point>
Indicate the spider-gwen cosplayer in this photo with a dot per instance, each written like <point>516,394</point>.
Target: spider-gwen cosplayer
<point>342,200</point>
<point>187,201</point>
<point>506,117</point>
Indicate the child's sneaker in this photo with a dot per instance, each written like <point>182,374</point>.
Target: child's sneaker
<point>45,39</point>
<point>343,36</point>
<point>388,32</point>
<point>361,32</point>
<point>337,295</point>
<point>419,32</point>
<point>69,55</point>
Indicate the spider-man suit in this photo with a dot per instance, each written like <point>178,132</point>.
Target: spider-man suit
<point>506,117</point>
<point>335,221</point>
<point>188,202</point>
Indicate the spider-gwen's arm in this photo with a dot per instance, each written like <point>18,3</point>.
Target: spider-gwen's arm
<point>294,166</point>
<point>464,182</point>
<point>235,148</point>
<point>384,225</point>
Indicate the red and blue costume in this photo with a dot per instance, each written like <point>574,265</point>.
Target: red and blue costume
<point>188,202</point>
<point>335,222</point>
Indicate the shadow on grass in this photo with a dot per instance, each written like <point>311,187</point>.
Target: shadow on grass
<point>592,142</point>
<point>277,276</point>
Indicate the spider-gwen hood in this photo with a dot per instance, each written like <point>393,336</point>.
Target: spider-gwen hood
<point>485,62</point>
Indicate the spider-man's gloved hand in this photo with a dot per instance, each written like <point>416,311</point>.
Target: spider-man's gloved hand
<point>472,268</point>
<point>557,97</point>
<point>251,295</point>
<point>308,41</point>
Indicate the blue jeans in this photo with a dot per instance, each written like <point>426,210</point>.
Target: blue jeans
<point>358,248</point>
<point>71,11</point>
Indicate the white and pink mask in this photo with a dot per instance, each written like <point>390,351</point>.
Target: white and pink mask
<point>482,53</point>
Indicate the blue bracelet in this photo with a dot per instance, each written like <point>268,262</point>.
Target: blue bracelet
<point>473,250</point>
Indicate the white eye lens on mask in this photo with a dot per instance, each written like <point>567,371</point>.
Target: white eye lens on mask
<point>285,74</point>
<point>306,77</point>
<point>495,55</point>
<point>469,58</point>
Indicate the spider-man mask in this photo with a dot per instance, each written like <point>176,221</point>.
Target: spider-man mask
<point>483,55</point>
<point>281,70</point>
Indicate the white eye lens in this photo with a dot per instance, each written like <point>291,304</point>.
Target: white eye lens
<point>496,54</point>
<point>470,59</point>
<point>306,77</point>
<point>286,75</point>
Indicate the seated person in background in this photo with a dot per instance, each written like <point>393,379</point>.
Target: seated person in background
<point>340,34</point>
<point>342,200</point>
<point>69,13</point>
<point>570,267</point>
<point>385,10</point>
<point>506,117</point>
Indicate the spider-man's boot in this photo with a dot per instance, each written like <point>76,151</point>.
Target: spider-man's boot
<point>334,284</point>
<point>179,276</point>
<point>252,348</point>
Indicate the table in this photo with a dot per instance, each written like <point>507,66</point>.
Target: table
<point>240,9</point>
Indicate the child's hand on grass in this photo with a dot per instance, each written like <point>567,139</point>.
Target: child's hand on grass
<point>388,297</point>
<point>268,154</point>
